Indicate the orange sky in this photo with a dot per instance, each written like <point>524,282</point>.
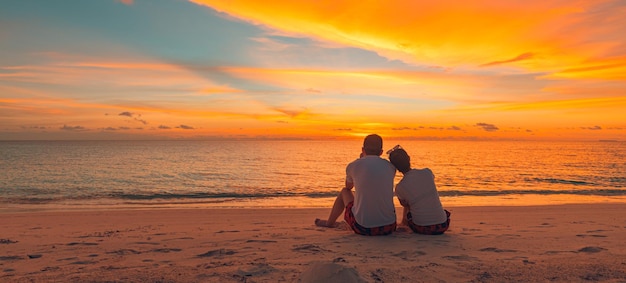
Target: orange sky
<point>313,69</point>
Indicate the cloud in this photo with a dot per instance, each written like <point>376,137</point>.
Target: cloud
<point>135,116</point>
<point>454,128</point>
<point>487,127</point>
<point>594,128</point>
<point>302,114</point>
<point>116,129</point>
<point>403,129</point>
<point>163,127</point>
<point>556,34</point>
<point>141,121</point>
<point>34,127</point>
<point>614,69</point>
<point>185,127</point>
<point>520,57</point>
<point>73,128</point>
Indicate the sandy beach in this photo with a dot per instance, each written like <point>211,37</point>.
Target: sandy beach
<point>559,243</point>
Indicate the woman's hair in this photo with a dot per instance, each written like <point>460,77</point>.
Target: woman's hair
<point>400,159</point>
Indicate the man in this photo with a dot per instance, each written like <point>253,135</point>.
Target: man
<point>370,209</point>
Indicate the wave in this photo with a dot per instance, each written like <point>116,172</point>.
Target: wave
<point>562,181</point>
<point>208,197</point>
<point>486,193</point>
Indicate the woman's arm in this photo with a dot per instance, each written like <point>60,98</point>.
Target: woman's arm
<point>405,210</point>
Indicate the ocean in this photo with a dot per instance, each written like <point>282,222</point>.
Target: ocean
<point>269,173</point>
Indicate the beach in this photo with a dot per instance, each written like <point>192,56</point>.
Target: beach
<point>556,243</point>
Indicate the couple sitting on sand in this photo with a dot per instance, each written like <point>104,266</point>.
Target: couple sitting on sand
<point>370,209</point>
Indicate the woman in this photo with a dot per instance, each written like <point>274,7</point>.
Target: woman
<point>417,193</point>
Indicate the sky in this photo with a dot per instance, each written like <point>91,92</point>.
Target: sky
<point>249,69</point>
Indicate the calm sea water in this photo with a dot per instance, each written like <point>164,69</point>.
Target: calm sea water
<point>297,173</point>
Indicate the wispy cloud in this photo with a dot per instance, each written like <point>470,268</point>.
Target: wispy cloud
<point>594,128</point>
<point>487,127</point>
<point>73,128</point>
<point>555,34</point>
<point>298,114</point>
<point>286,68</point>
<point>521,57</point>
<point>404,129</point>
<point>135,116</point>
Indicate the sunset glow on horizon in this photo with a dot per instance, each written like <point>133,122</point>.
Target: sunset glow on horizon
<point>239,69</point>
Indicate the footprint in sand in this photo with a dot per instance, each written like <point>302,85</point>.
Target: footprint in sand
<point>544,225</point>
<point>124,252</point>
<point>147,243</point>
<point>471,230</point>
<point>11,257</point>
<point>496,250</point>
<point>591,235</point>
<point>100,234</point>
<point>165,250</point>
<point>217,253</point>
<point>591,250</point>
<point>81,244</point>
<point>307,248</point>
<point>406,255</point>
<point>460,257</point>
<point>83,262</point>
<point>556,252</point>
<point>228,231</point>
<point>261,241</point>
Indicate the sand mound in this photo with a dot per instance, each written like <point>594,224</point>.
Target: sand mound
<point>327,272</point>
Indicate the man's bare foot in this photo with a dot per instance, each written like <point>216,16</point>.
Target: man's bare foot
<point>324,223</point>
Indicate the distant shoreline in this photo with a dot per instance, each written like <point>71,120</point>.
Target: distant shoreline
<point>309,203</point>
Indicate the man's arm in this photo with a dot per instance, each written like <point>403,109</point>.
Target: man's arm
<point>349,185</point>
